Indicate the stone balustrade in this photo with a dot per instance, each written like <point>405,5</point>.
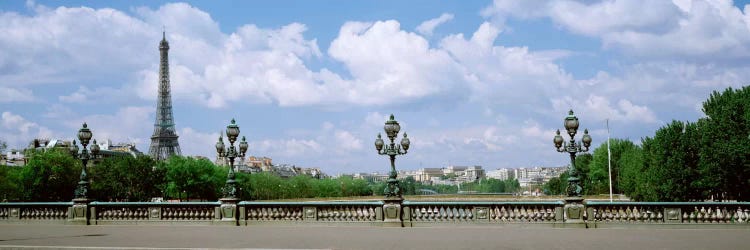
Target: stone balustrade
<point>668,213</point>
<point>412,213</point>
<point>417,213</point>
<point>153,212</point>
<point>311,212</point>
<point>35,212</point>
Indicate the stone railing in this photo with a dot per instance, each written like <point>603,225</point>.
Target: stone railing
<point>593,214</point>
<point>340,212</point>
<point>425,213</point>
<point>153,212</point>
<point>604,214</point>
<point>35,212</point>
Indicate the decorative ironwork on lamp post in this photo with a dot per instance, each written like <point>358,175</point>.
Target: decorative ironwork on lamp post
<point>392,150</point>
<point>230,188</point>
<point>84,135</point>
<point>572,147</point>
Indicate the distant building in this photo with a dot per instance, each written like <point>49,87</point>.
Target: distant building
<point>370,177</point>
<point>537,175</point>
<point>426,174</point>
<point>13,157</point>
<point>457,170</point>
<point>501,174</point>
<point>106,149</point>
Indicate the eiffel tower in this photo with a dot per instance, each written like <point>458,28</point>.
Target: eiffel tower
<point>164,140</point>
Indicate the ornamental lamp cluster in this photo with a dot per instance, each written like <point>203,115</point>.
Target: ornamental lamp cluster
<point>572,147</point>
<point>84,136</point>
<point>232,132</point>
<point>392,128</point>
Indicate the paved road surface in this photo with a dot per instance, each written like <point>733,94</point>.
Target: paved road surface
<point>309,237</point>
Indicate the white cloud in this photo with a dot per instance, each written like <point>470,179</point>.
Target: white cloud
<point>17,131</point>
<point>375,119</point>
<point>8,94</point>
<point>125,125</point>
<point>598,108</point>
<point>71,44</point>
<point>701,29</point>
<point>345,141</point>
<point>426,27</point>
<point>381,57</point>
<point>193,142</point>
<point>498,74</point>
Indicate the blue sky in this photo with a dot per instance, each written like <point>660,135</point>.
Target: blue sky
<point>311,82</point>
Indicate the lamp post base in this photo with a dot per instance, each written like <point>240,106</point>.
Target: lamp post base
<point>226,213</point>
<point>392,212</point>
<point>573,212</point>
<point>78,214</point>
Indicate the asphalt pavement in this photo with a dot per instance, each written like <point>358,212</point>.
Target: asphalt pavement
<point>320,237</point>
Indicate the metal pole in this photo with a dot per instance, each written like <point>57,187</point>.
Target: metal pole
<point>609,162</point>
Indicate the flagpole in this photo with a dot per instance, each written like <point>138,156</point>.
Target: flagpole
<point>609,162</point>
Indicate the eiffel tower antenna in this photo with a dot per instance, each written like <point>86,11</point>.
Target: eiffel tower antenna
<point>164,142</point>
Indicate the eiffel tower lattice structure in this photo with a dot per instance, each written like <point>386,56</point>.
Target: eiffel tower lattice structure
<point>164,140</point>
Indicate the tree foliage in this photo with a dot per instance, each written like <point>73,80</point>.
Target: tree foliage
<point>725,144</point>
<point>191,178</point>
<point>127,179</point>
<point>599,166</point>
<point>689,161</point>
<point>51,175</point>
<point>10,179</point>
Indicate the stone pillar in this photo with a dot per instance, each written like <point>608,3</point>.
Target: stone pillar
<point>407,216</point>
<point>392,212</point>
<point>227,212</point>
<point>573,211</point>
<point>79,214</point>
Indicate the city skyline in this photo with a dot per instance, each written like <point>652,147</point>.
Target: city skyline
<point>312,85</point>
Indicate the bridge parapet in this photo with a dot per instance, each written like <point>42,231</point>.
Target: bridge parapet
<point>338,212</point>
<point>426,213</point>
<point>412,213</point>
<point>607,214</point>
<point>103,213</point>
<point>35,212</point>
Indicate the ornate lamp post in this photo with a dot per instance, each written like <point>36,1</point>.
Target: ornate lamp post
<point>230,188</point>
<point>80,212</point>
<point>573,209</point>
<point>392,150</point>
<point>572,147</point>
<point>84,135</point>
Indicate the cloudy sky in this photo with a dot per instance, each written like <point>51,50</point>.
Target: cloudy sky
<point>311,83</point>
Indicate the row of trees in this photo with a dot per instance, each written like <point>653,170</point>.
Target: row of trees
<point>52,176</point>
<point>683,161</point>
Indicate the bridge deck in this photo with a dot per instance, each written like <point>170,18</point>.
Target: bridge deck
<point>38,236</point>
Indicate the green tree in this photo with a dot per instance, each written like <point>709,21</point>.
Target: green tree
<point>408,186</point>
<point>192,178</point>
<point>50,176</point>
<point>583,162</point>
<point>327,188</point>
<point>670,165</point>
<point>725,145</point>
<point>127,178</point>
<point>633,179</point>
<point>557,185</point>
<point>10,178</point>
<point>599,166</point>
